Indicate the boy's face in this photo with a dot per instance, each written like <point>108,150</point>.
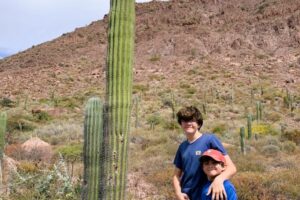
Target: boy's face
<point>212,168</point>
<point>189,127</point>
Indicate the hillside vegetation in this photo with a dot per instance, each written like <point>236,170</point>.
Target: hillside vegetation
<point>225,57</point>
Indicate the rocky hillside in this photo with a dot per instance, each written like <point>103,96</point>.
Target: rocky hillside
<point>200,42</point>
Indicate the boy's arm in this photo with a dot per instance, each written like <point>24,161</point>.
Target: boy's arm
<point>217,188</point>
<point>176,184</point>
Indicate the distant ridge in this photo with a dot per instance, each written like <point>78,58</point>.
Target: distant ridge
<point>223,44</point>
<point>4,54</point>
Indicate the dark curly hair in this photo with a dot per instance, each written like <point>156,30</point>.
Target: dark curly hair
<point>190,113</point>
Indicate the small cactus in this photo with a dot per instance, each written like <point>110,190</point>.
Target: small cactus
<point>249,126</point>
<point>92,149</point>
<point>259,110</point>
<point>242,135</point>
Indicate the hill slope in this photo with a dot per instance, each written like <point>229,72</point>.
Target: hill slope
<point>227,41</point>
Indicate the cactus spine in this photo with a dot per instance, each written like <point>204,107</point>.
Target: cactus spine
<point>92,149</point>
<point>249,126</point>
<point>118,98</point>
<point>242,134</point>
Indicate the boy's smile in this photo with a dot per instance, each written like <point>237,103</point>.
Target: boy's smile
<point>212,168</point>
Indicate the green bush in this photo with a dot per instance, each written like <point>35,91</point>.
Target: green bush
<point>42,116</point>
<point>171,125</point>
<point>20,122</point>
<point>6,102</point>
<point>219,129</point>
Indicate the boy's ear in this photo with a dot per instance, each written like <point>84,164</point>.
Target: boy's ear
<point>223,167</point>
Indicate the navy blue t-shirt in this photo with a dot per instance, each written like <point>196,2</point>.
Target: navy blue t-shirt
<point>187,159</point>
<point>229,188</point>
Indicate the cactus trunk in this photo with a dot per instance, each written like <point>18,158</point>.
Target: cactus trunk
<point>92,149</point>
<point>118,97</point>
<point>249,126</point>
<point>242,134</point>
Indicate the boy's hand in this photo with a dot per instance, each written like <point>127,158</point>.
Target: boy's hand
<point>217,189</point>
<point>183,196</point>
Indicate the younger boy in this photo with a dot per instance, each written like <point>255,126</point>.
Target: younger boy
<point>213,164</point>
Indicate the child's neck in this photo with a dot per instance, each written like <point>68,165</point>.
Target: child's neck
<point>211,178</point>
<point>191,138</point>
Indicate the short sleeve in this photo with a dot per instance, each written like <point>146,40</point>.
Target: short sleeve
<point>230,191</point>
<point>178,159</point>
<point>215,143</point>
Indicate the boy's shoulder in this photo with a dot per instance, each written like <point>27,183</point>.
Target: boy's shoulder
<point>230,190</point>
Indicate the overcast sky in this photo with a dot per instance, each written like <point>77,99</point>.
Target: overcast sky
<point>30,22</point>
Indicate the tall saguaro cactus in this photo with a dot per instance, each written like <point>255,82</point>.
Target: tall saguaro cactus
<point>118,98</point>
<point>92,149</point>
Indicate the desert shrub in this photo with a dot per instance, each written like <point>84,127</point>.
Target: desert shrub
<point>68,102</point>
<point>6,102</point>
<point>191,90</point>
<point>263,129</point>
<point>153,120</point>
<point>139,88</point>
<point>184,85</point>
<point>192,72</point>
<point>251,186</point>
<point>28,167</point>
<point>270,150</point>
<point>42,116</point>
<point>14,151</point>
<point>250,163</point>
<point>20,122</point>
<point>49,184</point>
<point>171,125</point>
<point>154,58</point>
<point>161,179</point>
<point>71,153</point>
<point>272,116</point>
<point>292,135</point>
<point>288,146</point>
<point>279,184</point>
<point>219,128</point>
<point>57,133</point>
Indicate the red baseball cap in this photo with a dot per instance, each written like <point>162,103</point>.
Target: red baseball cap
<point>214,154</point>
